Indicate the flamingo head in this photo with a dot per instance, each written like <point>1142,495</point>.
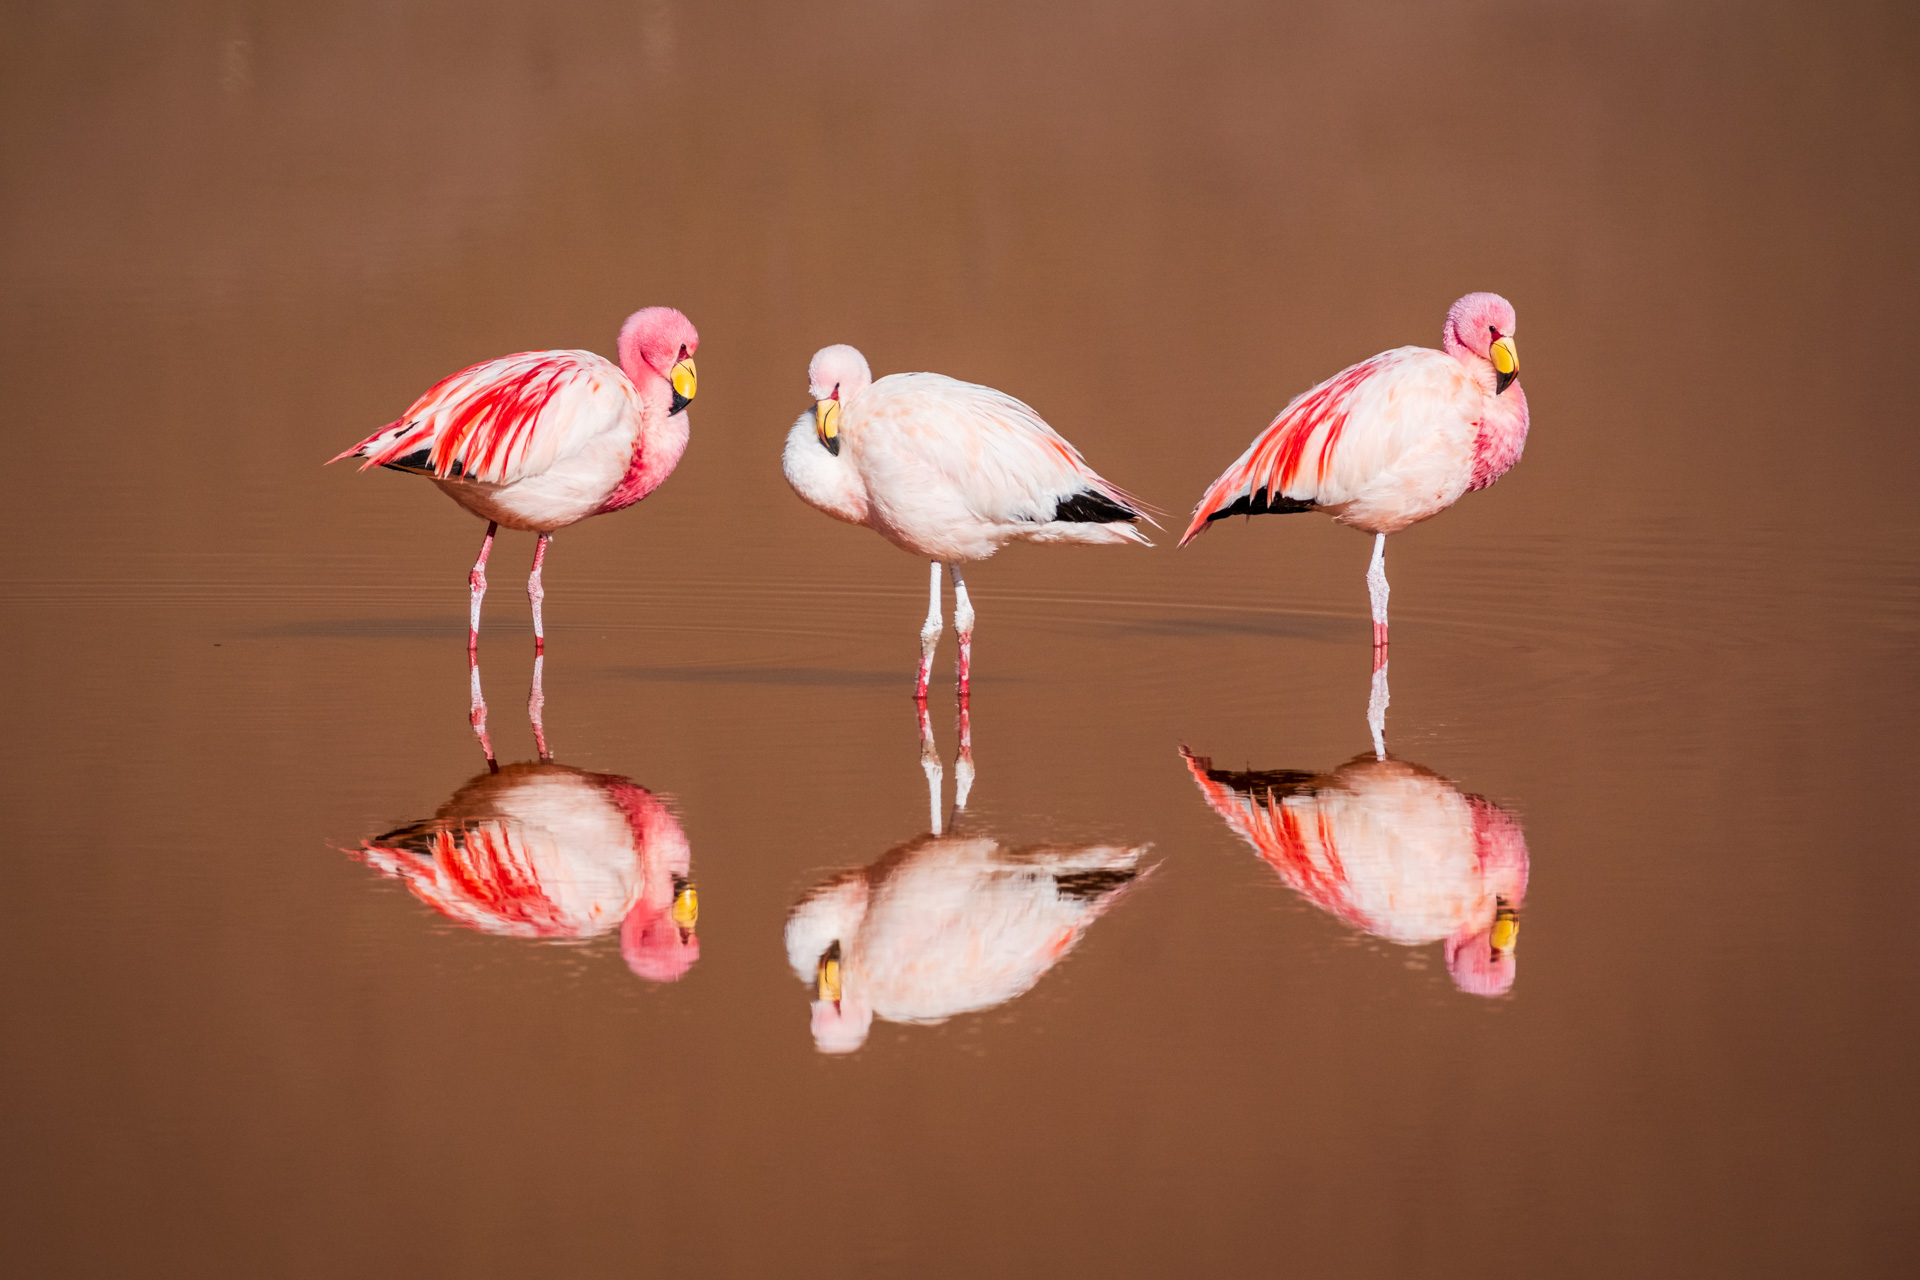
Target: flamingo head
<point>837,374</point>
<point>841,1018</point>
<point>1482,963</point>
<point>1482,324</point>
<point>659,342</point>
<point>661,946</point>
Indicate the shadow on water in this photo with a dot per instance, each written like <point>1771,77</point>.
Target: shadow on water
<point>953,921</point>
<point>544,851</point>
<point>1388,847</point>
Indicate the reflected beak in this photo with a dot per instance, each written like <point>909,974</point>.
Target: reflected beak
<point>685,383</point>
<point>826,975</point>
<point>686,904</point>
<point>826,415</point>
<point>1506,927</point>
<point>1506,364</point>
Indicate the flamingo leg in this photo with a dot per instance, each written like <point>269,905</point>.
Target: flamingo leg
<point>536,593</point>
<point>537,703</point>
<point>1377,591</point>
<point>1377,710</point>
<point>477,712</point>
<point>930,765</point>
<point>929,637</point>
<point>477,580</point>
<point>963,762</point>
<point>963,628</point>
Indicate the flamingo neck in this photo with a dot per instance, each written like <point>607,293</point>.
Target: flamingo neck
<point>1502,436</point>
<point>656,449</point>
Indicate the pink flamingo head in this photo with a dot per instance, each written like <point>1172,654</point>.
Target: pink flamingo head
<point>838,373</point>
<point>1482,961</point>
<point>1476,322</point>
<point>841,1026</point>
<point>659,342</point>
<point>657,947</point>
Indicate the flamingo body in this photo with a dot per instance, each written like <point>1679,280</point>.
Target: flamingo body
<point>1389,848</point>
<point>947,925</point>
<point>947,470</point>
<point>548,852</point>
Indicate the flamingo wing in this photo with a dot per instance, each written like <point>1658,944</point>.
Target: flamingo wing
<point>1004,462</point>
<point>1335,438</point>
<point>506,419</point>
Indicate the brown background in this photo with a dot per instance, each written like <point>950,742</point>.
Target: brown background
<point>1677,641</point>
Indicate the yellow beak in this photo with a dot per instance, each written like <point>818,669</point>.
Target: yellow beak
<point>686,905</point>
<point>826,978</point>
<point>685,383</point>
<point>1506,927</point>
<point>826,415</point>
<point>1506,364</point>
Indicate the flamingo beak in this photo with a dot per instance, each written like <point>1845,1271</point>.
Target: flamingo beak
<point>1506,364</point>
<point>686,904</point>
<point>826,414</point>
<point>1506,927</point>
<point>685,383</point>
<point>826,975</point>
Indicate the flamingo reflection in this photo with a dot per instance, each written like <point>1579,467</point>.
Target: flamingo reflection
<point>948,923</point>
<point>541,850</point>
<point>1390,848</point>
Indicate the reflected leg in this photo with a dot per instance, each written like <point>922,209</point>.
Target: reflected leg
<point>963,763</point>
<point>477,581</point>
<point>477,712</point>
<point>536,593</point>
<point>1377,589</point>
<point>929,637</point>
<point>537,703</point>
<point>930,765</point>
<point>963,628</point>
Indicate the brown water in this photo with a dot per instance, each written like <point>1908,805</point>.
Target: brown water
<point>1675,646</point>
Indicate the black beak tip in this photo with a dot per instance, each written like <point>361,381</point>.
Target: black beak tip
<point>680,402</point>
<point>1501,381</point>
<point>832,443</point>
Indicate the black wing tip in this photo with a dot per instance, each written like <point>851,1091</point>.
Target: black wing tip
<point>420,463</point>
<point>1258,504</point>
<point>1279,782</point>
<point>1092,507</point>
<point>1087,885</point>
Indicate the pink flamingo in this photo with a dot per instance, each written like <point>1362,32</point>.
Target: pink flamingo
<point>545,851</point>
<point>1390,442</point>
<point>1390,848</point>
<point>543,439</point>
<point>946,470</point>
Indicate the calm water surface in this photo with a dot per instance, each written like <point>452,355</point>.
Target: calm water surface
<point>275,1005</point>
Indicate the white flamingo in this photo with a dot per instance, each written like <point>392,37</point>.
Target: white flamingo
<point>946,470</point>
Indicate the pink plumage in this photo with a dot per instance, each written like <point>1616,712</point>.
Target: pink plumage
<point>946,470</point>
<point>1390,848</point>
<point>1391,441</point>
<point>543,439</point>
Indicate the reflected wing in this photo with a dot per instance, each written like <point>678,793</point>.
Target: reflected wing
<point>506,419</point>
<point>1295,839</point>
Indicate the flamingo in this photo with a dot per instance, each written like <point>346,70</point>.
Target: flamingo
<point>542,439</point>
<point>946,470</point>
<point>1390,848</point>
<point>944,925</point>
<point>947,923</point>
<point>551,852</point>
<point>1391,441</point>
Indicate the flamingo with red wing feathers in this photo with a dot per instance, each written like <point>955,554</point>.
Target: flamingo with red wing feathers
<point>543,439</point>
<point>1390,442</point>
<point>946,470</point>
